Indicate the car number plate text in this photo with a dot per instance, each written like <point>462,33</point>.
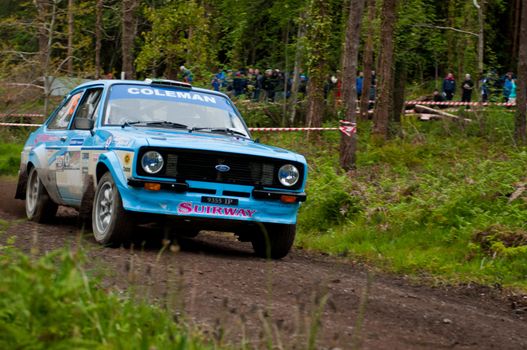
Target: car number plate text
<point>218,200</point>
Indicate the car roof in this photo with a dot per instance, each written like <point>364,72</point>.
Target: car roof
<point>110,82</point>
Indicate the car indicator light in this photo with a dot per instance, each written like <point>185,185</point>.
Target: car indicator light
<point>288,199</point>
<point>152,186</point>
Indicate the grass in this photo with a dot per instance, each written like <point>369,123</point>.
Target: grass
<point>49,302</point>
<point>9,158</point>
<point>419,205</point>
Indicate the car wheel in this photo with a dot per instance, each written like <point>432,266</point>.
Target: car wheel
<point>39,207</point>
<point>111,224</point>
<point>275,241</point>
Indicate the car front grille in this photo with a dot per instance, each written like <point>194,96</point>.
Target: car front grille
<point>202,166</point>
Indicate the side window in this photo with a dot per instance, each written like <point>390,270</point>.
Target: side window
<point>63,116</point>
<point>89,105</point>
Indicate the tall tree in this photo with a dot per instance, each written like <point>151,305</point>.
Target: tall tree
<point>299,53</point>
<point>317,56</point>
<point>520,132</point>
<point>384,105</point>
<point>129,29</point>
<point>367,60</point>
<point>70,38</point>
<point>46,21</point>
<point>98,37</point>
<point>348,145</point>
<point>480,6</point>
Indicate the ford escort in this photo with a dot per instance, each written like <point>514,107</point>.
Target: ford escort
<point>121,151</point>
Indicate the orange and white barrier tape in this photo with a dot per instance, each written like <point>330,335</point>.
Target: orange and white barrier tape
<point>293,129</point>
<point>21,115</point>
<point>20,124</point>
<point>456,103</point>
<point>346,129</point>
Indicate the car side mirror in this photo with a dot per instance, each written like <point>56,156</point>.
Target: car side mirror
<point>84,124</point>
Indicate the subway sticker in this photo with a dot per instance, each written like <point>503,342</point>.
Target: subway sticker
<point>187,208</point>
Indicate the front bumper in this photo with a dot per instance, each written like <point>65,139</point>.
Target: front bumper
<point>185,200</point>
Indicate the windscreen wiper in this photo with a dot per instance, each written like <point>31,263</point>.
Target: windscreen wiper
<point>166,123</point>
<point>129,123</point>
<point>223,130</point>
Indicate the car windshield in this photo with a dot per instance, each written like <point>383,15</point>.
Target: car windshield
<point>167,107</point>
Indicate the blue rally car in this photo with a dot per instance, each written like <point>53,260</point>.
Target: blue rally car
<point>123,152</point>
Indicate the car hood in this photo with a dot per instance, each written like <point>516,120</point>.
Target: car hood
<point>198,141</point>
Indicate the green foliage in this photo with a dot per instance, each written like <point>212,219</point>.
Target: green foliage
<point>9,158</point>
<point>415,205</point>
<point>50,303</point>
<point>178,35</point>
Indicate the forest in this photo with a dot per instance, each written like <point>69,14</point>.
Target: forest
<point>85,38</point>
<point>439,201</point>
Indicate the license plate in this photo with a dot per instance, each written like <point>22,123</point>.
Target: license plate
<point>218,200</point>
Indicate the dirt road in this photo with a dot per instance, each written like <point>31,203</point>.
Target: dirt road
<point>215,282</point>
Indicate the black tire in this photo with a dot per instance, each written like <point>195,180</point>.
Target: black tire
<point>275,240</point>
<point>111,224</point>
<point>39,206</point>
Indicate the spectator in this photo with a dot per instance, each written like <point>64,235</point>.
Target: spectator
<point>269,84</point>
<point>187,74</point>
<point>239,84</point>
<point>507,86</point>
<point>302,88</point>
<point>438,97</point>
<point>512,95</point>
<point>216,83</point>
<point>466,88</point>
<point>258,79</point>
<point>484,88</point>
<point>372,97</point>
<point>449,87</point>
<point>358,83</point>
<point>331,83</point>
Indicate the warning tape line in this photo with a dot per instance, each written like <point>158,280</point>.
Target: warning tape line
<point>251,129</point>
<point>22,115</point>
<point>20,124</point>
<point>454,103</point>
<point>293,129</point>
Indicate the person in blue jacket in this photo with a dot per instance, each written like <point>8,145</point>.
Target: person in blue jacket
<point>359,83</point>
<point>449,87</point>
<point>507,87</point>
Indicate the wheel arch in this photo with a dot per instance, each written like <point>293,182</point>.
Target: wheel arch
<point>23,175</point>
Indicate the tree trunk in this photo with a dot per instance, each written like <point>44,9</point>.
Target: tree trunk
<point>70,39</point>
<point>127,37</point>
<point>315,101</point>
<point>384,105</point>
<point>296,70</point>
<point>98,38</point>
<point>481,37</point>
<point>286,76</point>
<point>348,145</point>
<point>43,33</point>
<point>517,9</point>
<point>520,121</point>
<point>318,41</point>
<point>368,61</point>
<point>47,13</point>
<point>399,85</point>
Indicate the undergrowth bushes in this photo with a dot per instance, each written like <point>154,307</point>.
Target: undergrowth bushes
<point>50,303</point>
<point>416,204</point>
<point>9,158</point>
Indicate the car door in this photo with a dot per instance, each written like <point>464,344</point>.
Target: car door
<point>55,137</point>
<point>70,179</point>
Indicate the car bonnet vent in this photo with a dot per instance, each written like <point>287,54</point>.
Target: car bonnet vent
<point>164,82</point>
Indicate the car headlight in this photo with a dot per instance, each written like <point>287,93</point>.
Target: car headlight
<point>152,162</point>
<point>288,175</point>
